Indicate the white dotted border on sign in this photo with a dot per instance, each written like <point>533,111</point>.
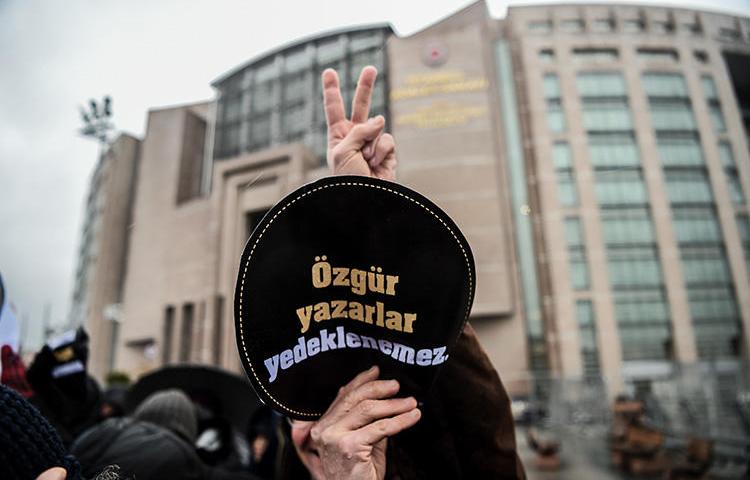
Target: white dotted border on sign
<point>257,240</point>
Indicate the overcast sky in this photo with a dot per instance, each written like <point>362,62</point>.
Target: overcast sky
<point>57,54</point>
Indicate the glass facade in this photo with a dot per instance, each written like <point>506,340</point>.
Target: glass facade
<point>566,182</point>
<point>714,104</point>
<point>732,175</point>
<point>555,112</point>
<point>633,262</point>
<point>278,99</point>
<point>694,218</point>
<point>579,270</point>
<point>524,236</point>
<point>587,335</point>
<point>743,226</point>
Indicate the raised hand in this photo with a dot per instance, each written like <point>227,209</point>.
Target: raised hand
<point>357,146</point>
<point>349,440</point>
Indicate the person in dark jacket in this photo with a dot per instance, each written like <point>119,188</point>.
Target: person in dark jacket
<point>156,443</point>
<point>62,388</point>
<point>464,429</point>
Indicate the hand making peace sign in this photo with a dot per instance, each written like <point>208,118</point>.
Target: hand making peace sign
<point>357,146</point>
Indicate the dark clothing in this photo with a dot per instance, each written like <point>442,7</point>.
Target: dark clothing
<point>29,445</point>
<point>142,450</point>
<point>466,429</point>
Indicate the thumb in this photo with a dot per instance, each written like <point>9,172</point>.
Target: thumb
<point>362,133</point>
<point>54,473</point>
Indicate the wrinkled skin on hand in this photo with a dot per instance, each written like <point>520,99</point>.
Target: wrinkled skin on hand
<point>349,440</point>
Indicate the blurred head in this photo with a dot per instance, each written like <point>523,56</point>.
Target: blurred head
<point>171,409</point>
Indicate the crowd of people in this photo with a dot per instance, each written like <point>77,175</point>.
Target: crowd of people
<point>55,420</point>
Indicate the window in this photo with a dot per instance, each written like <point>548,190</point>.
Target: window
<point>730,170</point>
<point>260,132</point>
<point>613,149</point>
<point>365,41</point>
<point>632,26</point>
<point>743,226</point>
<point>294,120</point>
<point>679,149</point>
<point>252,220</point>
<point>576,254</point>
<point>267,71</point>
<point>186,332</point>
<point>562,159</point>
<point>664,85</point>
<point>298,60</point>
<point>587,335</point>
<point>696,224</point>
<point>540,26</point>
<point>627,226</point>
<point>633,266</point>
<point>555,113</point>
<point>620,187</point>
<point>672,114</point>
<point>714,104</point>
<point>595,54</point>
<point>572,25</point>
<point>601,84</point>
<point>607,115</point>
<point>191,158</point>
<point>603,25</point>
<point>295,89</point>
<point>691,28</point>
<point>546,55</point>
<point>643,322</point>
<point>701,56</point>
<point>688,185</point>
<point>666,55</point>
<point>262,97</point>
<point>715,321</point>
<point>704,265</point>
<point>330,50</point>
<point>167,334</point>
<point>661,26</point>
<point>218,340</point>
<point>729,34</point>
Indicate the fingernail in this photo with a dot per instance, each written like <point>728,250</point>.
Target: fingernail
<point>416,413</point>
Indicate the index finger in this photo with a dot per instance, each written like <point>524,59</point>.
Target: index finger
<point>332,101</point>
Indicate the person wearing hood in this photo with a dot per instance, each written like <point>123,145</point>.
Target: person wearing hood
<point>157,442</point>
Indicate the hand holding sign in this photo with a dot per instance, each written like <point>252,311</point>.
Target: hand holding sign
<point>357,146</point>
<point>349,440</point>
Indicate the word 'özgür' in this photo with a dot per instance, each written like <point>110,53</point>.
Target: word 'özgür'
<point>360,282</point>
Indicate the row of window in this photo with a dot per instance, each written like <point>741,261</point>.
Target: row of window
<point>628,25</point>
<point>607,54</point>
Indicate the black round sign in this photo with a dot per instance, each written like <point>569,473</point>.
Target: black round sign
<point>342,274</point>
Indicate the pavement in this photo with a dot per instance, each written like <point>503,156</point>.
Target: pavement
<point>584,456</point>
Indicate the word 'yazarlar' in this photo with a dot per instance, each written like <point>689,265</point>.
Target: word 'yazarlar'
<point>372,314</point>
<point>360,281</point>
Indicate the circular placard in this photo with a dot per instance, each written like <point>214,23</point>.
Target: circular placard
<point>342,274</point>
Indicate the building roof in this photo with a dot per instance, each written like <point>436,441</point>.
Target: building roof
<point>296,43</point>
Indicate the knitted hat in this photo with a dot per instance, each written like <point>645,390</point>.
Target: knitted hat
<point>172,410</point>
<point>29,445</point>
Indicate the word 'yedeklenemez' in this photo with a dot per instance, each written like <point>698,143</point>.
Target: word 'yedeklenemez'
<point>306,348</point>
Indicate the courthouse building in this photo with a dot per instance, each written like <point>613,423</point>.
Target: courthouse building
<point>595,156</point>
